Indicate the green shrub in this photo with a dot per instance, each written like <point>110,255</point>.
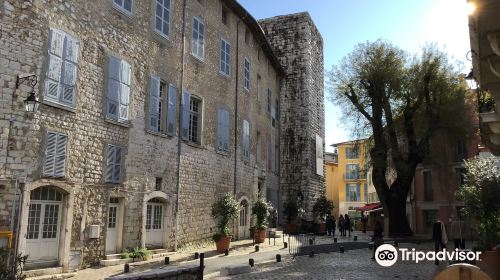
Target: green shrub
<point>224,211</point>
<point>14,271</point>
<point>260,210</point>
<point>135,253</point>
<point>322,207</point>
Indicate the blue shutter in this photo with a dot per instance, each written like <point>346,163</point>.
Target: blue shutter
<point>114,87</point>
<point>154,109</point>
<point>358,192</point>
<point>220,128</point>
<point>186,98</point>
<point>347,195</point>
<point>366,192</point>
<point>172,105</point>
<point>225,135</point>
<point>125,77</point>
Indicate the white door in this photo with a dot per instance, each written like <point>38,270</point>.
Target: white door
<point>154,225</point>
<point>243,231</point>
<point>44,221</point>
<point>111,231</point>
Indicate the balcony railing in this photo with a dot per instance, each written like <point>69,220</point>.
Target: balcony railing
<point>360,175</point>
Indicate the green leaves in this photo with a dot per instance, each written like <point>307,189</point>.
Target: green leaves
<point>322,207</point>
<point>225,210</point>
<point>260,210</point>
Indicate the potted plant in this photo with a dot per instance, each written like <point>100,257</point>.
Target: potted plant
<point>291,211</point>
<point>321,208</point>
<point>224,210</point>
<point>260,210</point>
<point>481,194</point>
<point>137,254</point>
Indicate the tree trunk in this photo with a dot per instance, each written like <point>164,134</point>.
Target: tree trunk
<point>398,222</point>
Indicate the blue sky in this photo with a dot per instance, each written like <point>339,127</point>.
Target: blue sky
<point>408,24</point>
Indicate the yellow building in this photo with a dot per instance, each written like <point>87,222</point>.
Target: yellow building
<point>346,174</point>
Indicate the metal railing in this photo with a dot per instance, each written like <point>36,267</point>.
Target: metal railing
<point>300,243</point>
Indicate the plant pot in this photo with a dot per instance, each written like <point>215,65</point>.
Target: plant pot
<point>321,229</point>
<point>223,244</point>
<point>289,228</point>
<point>490,260</point>
<point>259,235</point>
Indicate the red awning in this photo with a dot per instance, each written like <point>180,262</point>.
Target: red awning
<point>369,206</point>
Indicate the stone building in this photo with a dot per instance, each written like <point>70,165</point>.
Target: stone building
<point>149,111</point>
<point>299,47</point>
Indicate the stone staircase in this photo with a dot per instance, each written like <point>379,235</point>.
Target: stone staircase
<point>116,259</point>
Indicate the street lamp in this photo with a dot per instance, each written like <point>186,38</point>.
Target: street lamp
<point>31,103</point>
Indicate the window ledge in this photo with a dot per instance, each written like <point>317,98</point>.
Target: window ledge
<point>200,61</point>
<point>122,11</point>
<point>223,75</point>
<point>223,153</point>
<point>163,39</point>
<point>122,124</point>
<point>159,134</point>
<point>59,106</point>
<point>192,144</point>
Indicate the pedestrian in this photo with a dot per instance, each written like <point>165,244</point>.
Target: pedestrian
<point>440,238</point>
<point>328,224</point>
<point>457,233</point>
<point>341,225</point>
<point>378,237</point>
<point>347,224</point>
<point>333,226</point>
<point>364,221</point>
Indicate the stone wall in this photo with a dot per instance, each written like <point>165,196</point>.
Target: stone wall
<point>299,47</point>
<point>102,30</point>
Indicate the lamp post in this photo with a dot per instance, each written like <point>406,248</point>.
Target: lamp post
<point>31,103</point>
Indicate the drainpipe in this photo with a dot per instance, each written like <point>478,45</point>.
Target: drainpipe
<point>237,75</point>
<point>179,138</point>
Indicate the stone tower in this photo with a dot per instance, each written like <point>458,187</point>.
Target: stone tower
<point>299,47</point>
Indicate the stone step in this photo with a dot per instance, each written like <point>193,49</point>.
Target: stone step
<point>43,272</point>
<point>158,251</point>
<point>112,262</point>
<point>53,276</point>
<point>113,256</point>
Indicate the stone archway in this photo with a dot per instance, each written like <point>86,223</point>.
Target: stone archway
<point>45,224</point>
<point>243,226</point>
<point>156,220</point>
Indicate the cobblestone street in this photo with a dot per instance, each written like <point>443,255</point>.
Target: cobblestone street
<point>354,264</point>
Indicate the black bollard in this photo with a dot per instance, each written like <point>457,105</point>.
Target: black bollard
<point>256,248</point>
<point>196,255</point>
<point>251,262</point>
<point>311,242</point>
<point>311,254</point>
<point>126,269</point>
<point>167,260</point>
<point>396,244</point>
<point>285,245</point>
<point>226,252</point>
<point>370,246</point>
<point>355,238</point>
<point>202,265</point>
<point>342,249</point>
<point>335,240</point>
<point>278,258</point>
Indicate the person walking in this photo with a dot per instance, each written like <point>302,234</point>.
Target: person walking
<point>457,233</point>
<point>341,225</point>
<point>378,237</point>
<point>333,226</point>
<point>329,220</point>
<point>440,237</point>
<point>364,221</point>
<point>347,224</point>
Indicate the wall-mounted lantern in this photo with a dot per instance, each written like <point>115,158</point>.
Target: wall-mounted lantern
<point>31,103</point>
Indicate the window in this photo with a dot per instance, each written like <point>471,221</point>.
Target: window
<point>123,6</point>
<point>162,17</point>
<point>198,42</point>
<point>54,164</point>
<point>158,183</point>
<point>225,58</point>
<point>365,191</point>
<point>247,36</point>
<point>259,151</point>
<point>319,155</point>
<point>352,172</point>
<point>225,15</point>
<point>61,76</point>
<point>223,130</point>
<point>269,96</point>
<point>162,106</point>
<point>259,83</point>
<point>352,192</point>
<point>191,118</point>
<point>246,75</point>
<point>119,73</point>
<point>114,163</point>
<point>246,140</point>
<point>351,152</point>
<point>428,195</point>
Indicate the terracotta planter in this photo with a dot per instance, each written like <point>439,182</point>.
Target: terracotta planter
<point>490,260</point>
<point>259,235</point>
<point>223,244</point>
<point>289,228</point>
<point>322,228</point>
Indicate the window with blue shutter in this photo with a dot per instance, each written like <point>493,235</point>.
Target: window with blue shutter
<point>186,98</point>
<point>119,76</point>
<point>113,164</point>
<point>198,39</point>
<point>162,17</point>
<point>246,139</point>
<point>358,192</point>
<point>124,6</point>
<point>222,130</point>
<point>61,76</point>
<point>172,105</point>
<point>154,104</point>
<point>246,74</point>
<point>54,164</point>
<point>225,58</point>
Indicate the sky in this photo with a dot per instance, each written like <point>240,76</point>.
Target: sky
<point>408,24</point>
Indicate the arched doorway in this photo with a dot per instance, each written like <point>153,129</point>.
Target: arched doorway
<point>44,224</point>
<point>155,223</point>
<point>243,226</point>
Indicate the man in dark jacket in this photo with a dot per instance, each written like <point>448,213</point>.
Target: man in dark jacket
<point>440,238</point>
<point>348,224</point>
<point>329,224</point>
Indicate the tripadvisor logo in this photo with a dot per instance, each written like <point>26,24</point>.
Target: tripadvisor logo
<point>387,255</point>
